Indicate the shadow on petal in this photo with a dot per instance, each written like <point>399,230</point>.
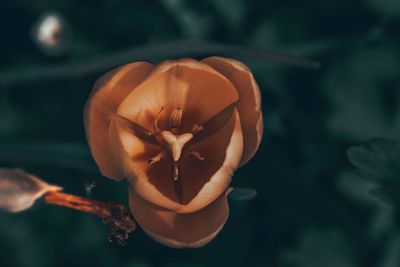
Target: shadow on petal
<point>204,180</point>
<point>108,93</point>
<point>249,104</point>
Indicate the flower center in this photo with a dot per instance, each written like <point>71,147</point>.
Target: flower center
<point>173,142</point>
<point>176,143</point>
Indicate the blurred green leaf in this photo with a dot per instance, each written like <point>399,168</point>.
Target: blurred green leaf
<point>378,160</point>
<point>243,194</point>
<point>392,255</point>
<point>316,248</point>
<point>192,23</point>
<point>232,11</point>
<point>358,190</point>
<point>386,7</point>
<point>363,91</point>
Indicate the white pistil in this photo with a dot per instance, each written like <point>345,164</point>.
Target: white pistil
<point>156,129</point>
<point>176,142</point>
<point>173,140</point>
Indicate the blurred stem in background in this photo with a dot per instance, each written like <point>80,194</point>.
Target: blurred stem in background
<point>184,48</point>
<point>147,52</point>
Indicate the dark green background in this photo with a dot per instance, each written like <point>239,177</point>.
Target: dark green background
<point>312,209</point>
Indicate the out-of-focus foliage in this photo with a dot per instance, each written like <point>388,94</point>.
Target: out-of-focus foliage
<point>312,208</point>
<point>241,194</point>
<point>317,248</point>
<point>374,71</point>
<point>379,161</point>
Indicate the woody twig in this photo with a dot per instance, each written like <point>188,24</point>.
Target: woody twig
<point>118,218</point>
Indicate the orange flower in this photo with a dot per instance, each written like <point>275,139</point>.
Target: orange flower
<point>177,131</point>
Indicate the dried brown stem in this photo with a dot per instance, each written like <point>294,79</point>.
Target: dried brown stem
<point>116,216</point>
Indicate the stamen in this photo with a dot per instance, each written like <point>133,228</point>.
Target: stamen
<point>197,128</point>
<point>156,159</point>
<point>176,142</point>
<point>156,129</point>
<point>197,155</point>
<point>175,118</point>
<point>131,126</point>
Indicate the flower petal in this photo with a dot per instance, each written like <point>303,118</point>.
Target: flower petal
<point>201,182</point>
<point>108,92</point>
<point>19,190</point>
<point>198,89</point>
<point>180,230</point>
<point>249,104</point>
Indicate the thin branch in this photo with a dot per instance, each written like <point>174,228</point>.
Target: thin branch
<point>116,216</point>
